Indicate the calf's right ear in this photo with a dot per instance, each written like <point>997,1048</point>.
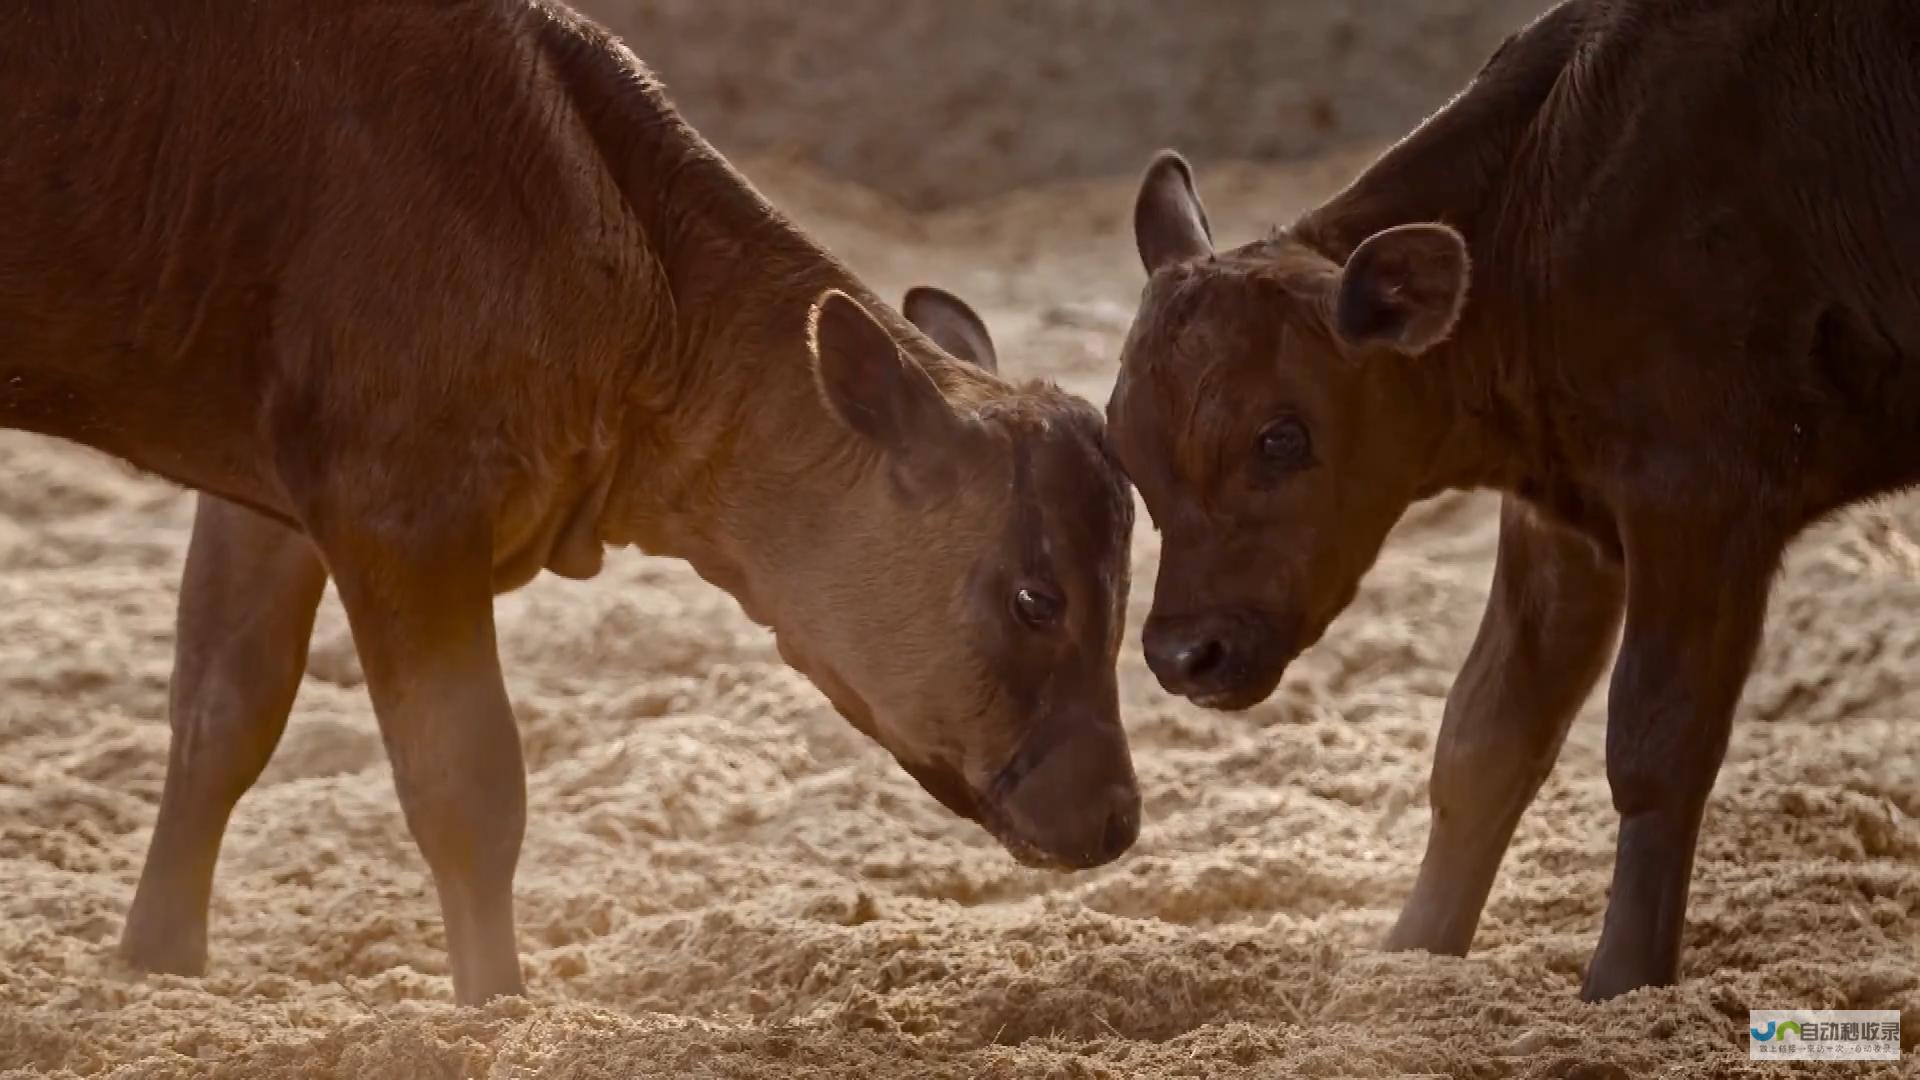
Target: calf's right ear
<point>1169,224</point>
<point>1403,288</point>
<point>871,385</point>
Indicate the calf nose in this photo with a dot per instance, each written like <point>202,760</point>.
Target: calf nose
<point>1187,656</point>
<point>1195,660</point>
<point>1102,830</point>
<point>1123,824</point>
<point>1079,805</point>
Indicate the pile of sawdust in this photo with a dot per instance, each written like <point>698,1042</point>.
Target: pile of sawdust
<point>721,878</point>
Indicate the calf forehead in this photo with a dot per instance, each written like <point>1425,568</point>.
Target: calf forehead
<point>1204,348</point>
<point>1072,507</point>
<point>1185,362</point>
<point>1235,302</point>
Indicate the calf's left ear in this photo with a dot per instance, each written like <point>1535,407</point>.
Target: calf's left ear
<point>951,324</point>
<point>877,391</point>
<point>1403,288</point>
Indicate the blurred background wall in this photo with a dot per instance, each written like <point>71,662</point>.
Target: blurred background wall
<point>934,102</point>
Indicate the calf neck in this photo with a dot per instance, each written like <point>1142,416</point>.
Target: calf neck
<point>428,297</point>
<point>1654,275</point>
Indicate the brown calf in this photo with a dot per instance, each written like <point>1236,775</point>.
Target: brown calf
<point>427,297</point>
<point>1692,330</point>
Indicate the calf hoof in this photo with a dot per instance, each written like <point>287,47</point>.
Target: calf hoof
<point>1421,930</point>
<point>488,969</point>
<point>163,953</point>
<point>1609,979</point>
<point>499,984</point>
<point>165,934</point>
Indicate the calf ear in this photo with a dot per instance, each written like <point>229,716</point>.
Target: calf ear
<point>1169,224</point>
<point>951,324</point>
<point>874,388</point>
<point>1403,288</point>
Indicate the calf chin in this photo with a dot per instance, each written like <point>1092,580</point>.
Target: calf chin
<point>950,790</point>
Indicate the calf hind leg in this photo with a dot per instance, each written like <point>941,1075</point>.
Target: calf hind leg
<point>1546,635</point>
<point>247,603</point>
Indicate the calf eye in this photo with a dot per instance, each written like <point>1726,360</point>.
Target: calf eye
<point>1284,444</point>
<point>1035,606</point>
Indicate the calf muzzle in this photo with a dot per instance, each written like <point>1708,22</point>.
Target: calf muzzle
<point>1074,806</point>
<point>1218,660</point>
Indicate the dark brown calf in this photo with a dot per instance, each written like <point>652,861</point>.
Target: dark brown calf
<point>427,297</point>
<point>1655,276</point>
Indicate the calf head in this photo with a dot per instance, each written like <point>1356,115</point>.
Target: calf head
<point>966,605</point>
<point>1273,407</point>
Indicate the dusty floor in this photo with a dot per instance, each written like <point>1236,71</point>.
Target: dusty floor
<point>722,879</point>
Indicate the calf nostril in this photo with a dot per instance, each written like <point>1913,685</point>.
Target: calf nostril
<point>1123,827</point>
<point>1201,658</point>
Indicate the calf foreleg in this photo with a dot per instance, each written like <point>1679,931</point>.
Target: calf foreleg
<point>419,596</point>
<point>1546,635</point>
<point>1696,601</point>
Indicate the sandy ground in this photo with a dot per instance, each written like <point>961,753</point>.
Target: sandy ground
<point>722,879</point>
